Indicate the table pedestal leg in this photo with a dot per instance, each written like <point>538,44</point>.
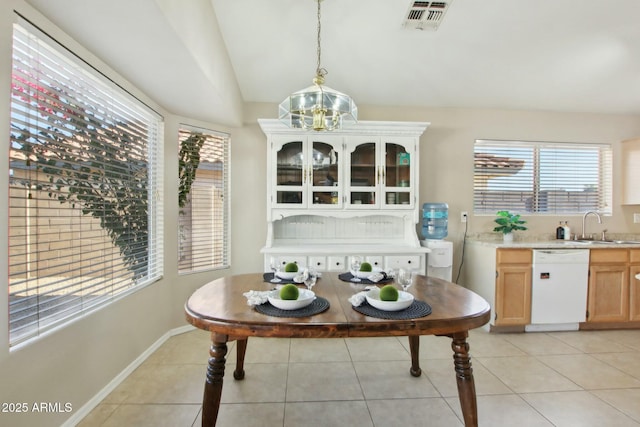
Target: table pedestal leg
<point>464,377</point>
<point>213,384</point>
<point>414,346</point>
<point>241,349</point>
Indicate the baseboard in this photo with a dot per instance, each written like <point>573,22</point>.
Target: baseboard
<point>596,326</point>
<point>81,413</point>
<point>506,329</point>
<point>551,327</point>
<point>182,330</point>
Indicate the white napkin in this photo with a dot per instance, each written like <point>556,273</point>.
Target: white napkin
<point>375,277</point>
<point>360,297</point>
<point>256,297</point>
<point>302,276</point>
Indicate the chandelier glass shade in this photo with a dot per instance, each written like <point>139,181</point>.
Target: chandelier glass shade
<point>318,107</point>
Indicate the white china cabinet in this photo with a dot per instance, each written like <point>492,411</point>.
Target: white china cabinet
<point>334,195</point>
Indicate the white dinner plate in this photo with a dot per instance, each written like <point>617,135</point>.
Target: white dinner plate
<point>404,300</point>
<point>305,298</point>
<point>285,275</point>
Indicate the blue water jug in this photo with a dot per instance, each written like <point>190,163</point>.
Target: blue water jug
<point>435,219</point>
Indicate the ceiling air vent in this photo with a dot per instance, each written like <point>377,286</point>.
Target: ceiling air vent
<point>426,15</point>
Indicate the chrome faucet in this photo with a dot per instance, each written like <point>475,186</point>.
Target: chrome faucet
<point>584,220</point>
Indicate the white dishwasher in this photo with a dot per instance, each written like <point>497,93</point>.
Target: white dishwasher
<point>559,289</point>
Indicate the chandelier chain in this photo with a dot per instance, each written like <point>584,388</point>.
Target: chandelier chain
<point>319,70</point>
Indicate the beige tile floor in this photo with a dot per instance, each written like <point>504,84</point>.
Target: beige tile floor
<point>563,379</point>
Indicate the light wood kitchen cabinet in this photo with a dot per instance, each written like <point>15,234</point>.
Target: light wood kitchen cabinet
<point>608,297</point>
<point>634,285</point>
<point>503,276</point>
<point>513,287</point>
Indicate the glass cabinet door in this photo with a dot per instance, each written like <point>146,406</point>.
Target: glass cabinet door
<point>290,174</point>
<point>364,174</point>
<point>308,172</point>
<point>325,173</point>
<point>397,185</point>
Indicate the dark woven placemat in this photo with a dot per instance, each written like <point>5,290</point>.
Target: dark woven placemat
<point>317,306</point>
<point>268,276</point>
<point>346,277</point>
<point>415,310</point>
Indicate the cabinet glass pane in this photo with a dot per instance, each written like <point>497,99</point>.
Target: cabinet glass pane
<point>363,198</point>
<point>325,164</point>
<point>363,165</point>
<point>397,198</point>
<point>397,166</point>
<point>289,166</point>
<point>325,197</point>
<point>293,197</point>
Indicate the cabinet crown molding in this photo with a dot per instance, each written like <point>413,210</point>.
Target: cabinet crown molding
<point>275,126</point>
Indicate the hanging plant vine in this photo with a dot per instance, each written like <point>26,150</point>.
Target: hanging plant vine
<point>189,160</point>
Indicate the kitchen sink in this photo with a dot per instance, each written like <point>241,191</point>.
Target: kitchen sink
<point>604,242</point>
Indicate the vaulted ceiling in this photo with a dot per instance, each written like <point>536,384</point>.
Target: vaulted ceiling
<point>204,58</point>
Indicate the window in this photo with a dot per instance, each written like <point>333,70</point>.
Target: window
<point>541,177</point>
<point>203,199</point>
<point>85,206</point>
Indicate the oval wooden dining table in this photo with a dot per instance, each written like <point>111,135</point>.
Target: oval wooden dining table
<point>221,308</point>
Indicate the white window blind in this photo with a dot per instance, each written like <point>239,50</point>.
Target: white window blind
<point>203,199</point>
<point>85,213</point>
<point>542,177</point>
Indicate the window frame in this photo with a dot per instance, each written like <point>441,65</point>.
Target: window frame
<point>221,250</point>
<point>492,150</point>
<point>52,86</point>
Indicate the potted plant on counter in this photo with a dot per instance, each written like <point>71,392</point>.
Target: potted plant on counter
<point>508,223</point>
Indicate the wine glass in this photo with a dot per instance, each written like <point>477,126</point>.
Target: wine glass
<point>355,268</point>
<point>405,279</point>
<point>310,278</point>
<point>274,263</point>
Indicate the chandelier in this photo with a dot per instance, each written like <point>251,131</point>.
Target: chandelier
<point>318,107</point>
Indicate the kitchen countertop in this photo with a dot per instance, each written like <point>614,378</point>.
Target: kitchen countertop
<point>551,244</point>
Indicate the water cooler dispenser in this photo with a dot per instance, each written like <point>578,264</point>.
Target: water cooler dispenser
<point>435,219</point>
<point>440,259</point>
